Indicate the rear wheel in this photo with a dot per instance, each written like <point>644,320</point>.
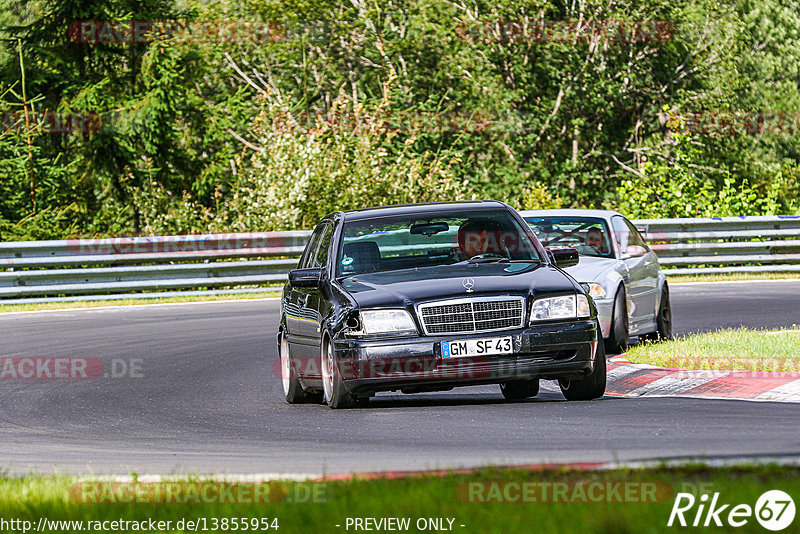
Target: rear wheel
<point>333,390</point>
<point>520,389</point>
<point>593,385</point>
<point>663,319</point>
<point>617,341</point>
<point>292,389</point>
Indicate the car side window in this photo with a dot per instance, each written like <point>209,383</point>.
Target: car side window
<point>635,237</point>
<point>321,255</point>
<point>621,233</point>
<point>311,248</point>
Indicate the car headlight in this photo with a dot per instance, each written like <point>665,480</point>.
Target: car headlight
<point>387,322</point>
<point>566,307</point>
<point>595,290</point>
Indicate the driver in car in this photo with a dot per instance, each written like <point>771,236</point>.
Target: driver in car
<point>477,237</point>
<point>594,240</point>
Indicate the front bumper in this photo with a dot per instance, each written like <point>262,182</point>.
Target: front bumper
<point>550,350</point>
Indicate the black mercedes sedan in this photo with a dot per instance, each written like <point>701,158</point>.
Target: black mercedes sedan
<point>428,297</point>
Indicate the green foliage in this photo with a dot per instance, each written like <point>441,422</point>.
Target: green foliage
<point>538,197</point>
<point>454,100</point>
<point>681,188</point>
<point>301,174</point>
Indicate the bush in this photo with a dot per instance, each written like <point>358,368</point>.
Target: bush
<point>539,197</point>
<point>683,188</point>
<point>300,174</point>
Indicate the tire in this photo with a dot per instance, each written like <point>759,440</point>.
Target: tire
<point>292,389</point>
<point>617,341</point>
<point>593,385</point>
<point>663,319</point>
<point>334,394</point>
<point>520,389</point>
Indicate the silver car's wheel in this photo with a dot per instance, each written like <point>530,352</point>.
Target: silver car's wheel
<point>617,341</point>
<point>663,319</point>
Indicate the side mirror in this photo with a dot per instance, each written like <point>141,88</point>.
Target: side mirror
<point>565,257</point>
<point>305,277</point>
<point>634,251</point>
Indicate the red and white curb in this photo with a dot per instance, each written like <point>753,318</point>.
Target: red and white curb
<point>626,379</point>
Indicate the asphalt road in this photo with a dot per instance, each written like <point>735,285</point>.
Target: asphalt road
<point>202,397</point>
<point>705,307</point>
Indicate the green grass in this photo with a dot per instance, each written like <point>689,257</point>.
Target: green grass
<point>134,302</point>
<point>32,497</point>
<point>733,277</point>
<point>733,349</point>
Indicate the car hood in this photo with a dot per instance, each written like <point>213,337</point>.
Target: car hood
<point>412,286</point>
<point>591,268</point>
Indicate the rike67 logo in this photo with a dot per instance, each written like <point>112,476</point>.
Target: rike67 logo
<point>774,510</point>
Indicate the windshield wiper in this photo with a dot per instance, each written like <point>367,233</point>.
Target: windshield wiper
<point>497,260</point>
<point>488,260</point>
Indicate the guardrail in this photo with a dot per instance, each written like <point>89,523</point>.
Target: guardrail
<point>43,271</point>
<point>145,267</point>
<point>725,244</point>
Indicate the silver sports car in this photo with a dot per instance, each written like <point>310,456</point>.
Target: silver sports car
<point>617,267</point>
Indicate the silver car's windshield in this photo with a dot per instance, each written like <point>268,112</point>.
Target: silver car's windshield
<point>427,240</point>
<point>589,235</point>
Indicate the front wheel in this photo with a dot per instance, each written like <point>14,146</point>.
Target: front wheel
<point>593,385</point>
<point>617,341</point>
<point>520,389</point>
<point>663,319</point>
<point>333,391</point>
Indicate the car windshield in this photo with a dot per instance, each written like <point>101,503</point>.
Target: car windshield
<point>427,240</point>
<point>589,235</point>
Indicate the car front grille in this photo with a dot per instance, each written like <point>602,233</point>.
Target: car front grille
<point>482,314</point>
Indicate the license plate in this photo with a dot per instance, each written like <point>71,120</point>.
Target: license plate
<point>477,347</point>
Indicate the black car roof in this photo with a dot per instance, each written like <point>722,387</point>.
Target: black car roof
<point>414,209</point>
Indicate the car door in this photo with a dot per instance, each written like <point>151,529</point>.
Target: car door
<point>634,255</point>
<point>310,301</point>
<point>650,280</point>
<point>295,299</point>
<point>317,301</point>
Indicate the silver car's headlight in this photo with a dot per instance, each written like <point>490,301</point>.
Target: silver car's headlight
<point>595,290</point>
<point>584,310</point>
<point>387,322</point>
<point>566,307</point>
